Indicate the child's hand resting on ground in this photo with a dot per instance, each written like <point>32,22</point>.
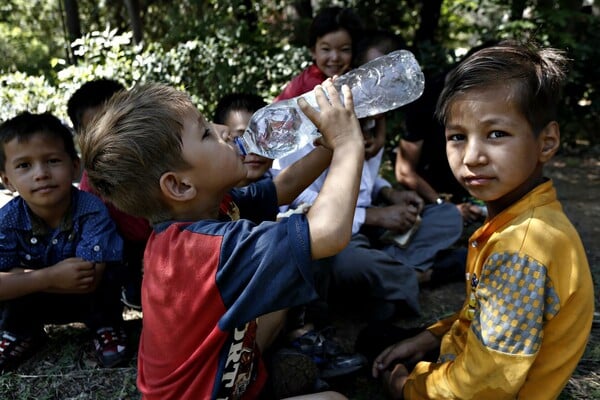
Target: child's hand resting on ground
<point>409,351</point>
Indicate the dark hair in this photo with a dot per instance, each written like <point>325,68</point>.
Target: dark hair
<point>237,102</point>
<point>25,125</point>
<point>90,94</point>
<point>537,76</point>
<point>384,41</point>
<point>332,19</point>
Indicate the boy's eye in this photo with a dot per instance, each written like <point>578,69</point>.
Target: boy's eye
<point>54,161</point>
<point>206,133</point>
<point>22,165</point>
<point>497,134</point>
<point>455,137</point>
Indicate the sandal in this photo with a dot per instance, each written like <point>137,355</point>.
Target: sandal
<point>15,349</point>
<point>110,344</point>
<point>328,354</point>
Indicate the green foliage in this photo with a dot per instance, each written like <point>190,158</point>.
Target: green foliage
<point>467,23</point>
<point>30,33</point>
<point>211,48</point>
<point>207,69</point>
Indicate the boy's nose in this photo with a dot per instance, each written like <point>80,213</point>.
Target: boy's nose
<point>474,153</point>
<point>41,171</point>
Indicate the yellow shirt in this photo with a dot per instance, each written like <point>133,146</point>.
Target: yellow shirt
<point>527,314</point>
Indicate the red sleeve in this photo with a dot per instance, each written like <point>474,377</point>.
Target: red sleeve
<point>302,83</point>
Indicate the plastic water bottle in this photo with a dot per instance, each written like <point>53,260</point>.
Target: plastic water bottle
<point>383,84</point>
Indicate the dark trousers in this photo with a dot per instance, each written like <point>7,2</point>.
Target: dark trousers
<point>27,315</point>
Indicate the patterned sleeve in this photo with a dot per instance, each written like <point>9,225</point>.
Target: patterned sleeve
<point>8,254</point>
<point>514,298</point>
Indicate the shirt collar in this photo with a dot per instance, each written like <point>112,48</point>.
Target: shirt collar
<point>541,195</point>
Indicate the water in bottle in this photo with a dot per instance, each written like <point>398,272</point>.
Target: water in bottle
<point>383,84</point>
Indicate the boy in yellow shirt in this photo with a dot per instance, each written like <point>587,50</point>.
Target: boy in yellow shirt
<point>529,302</point>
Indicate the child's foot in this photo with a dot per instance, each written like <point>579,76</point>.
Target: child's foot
<point>15,349</point>
<point>111,346</point>
<point>327,354</point>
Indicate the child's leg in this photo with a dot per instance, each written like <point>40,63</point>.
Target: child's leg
<point>21,330</point>
<point>23,316</point>
<point>268,328</point>
<point>133,254</point>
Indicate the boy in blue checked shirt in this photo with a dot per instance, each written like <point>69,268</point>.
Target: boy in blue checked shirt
<point>58,245</point>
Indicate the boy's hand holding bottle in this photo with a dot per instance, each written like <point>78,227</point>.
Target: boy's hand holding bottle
<point>337,122</point>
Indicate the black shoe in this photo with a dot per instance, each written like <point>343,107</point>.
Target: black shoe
<point>327,354</point>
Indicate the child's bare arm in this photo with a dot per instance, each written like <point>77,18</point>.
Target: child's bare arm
<point>292,180</point>
<point>72,275</point>
<point>330,217</point>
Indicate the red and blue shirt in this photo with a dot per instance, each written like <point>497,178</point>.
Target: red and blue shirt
<point>205,283</point>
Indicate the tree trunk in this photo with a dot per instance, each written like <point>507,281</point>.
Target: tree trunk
<point>430,16</point>
<point>517,7</point>
<point>73,25</point>
<point>135,21</point>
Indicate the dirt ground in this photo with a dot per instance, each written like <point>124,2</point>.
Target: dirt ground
<point>66,368</point>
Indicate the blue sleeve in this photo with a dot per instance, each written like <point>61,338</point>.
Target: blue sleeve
<point>257,201</point>
<point>9,257</point>
<point>265,268</point>
<point>99,240</point>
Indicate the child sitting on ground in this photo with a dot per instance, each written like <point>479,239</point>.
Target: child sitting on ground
<point>332,36</point>
<point>59,247</point>
<point>529,301</point>
<point>207,279</point>
<point>83,106</point>
<point>235,110</point>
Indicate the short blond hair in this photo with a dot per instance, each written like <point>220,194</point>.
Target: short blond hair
<point>132,144</point>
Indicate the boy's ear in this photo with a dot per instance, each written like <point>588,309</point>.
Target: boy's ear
<point>175,188</point>
<point>6,182</point>
<point>549,140</point>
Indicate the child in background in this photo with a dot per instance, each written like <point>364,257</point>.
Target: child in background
<point>384,278</point>
<point>59,247</point>
<point>207,278</point>
<point>529,301</point>
<point>421,163</point>
<point>331,38</point>
<point>235,110</point>
<point>83,106</point>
